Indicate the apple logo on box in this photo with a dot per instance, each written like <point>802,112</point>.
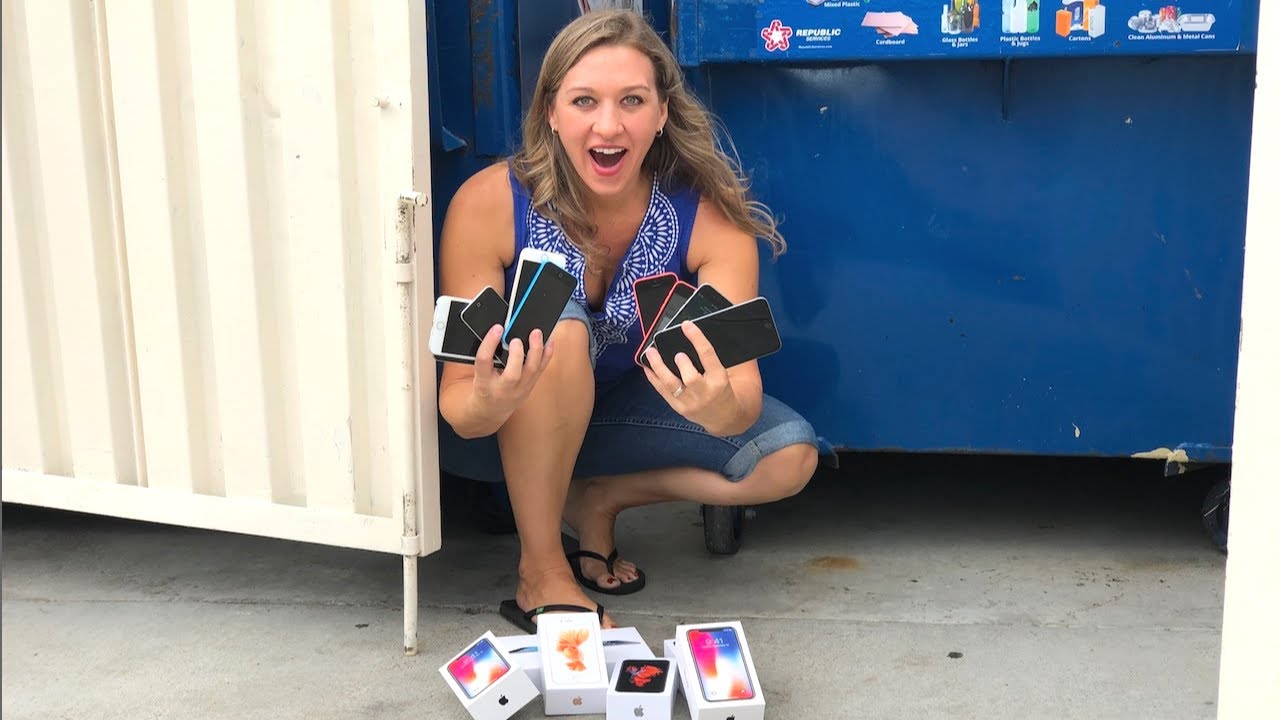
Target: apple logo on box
<point>639,711</point>
<point>577,700</point>
<point>503,700</point>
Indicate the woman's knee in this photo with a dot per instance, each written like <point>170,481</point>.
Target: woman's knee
<point>781,474</point>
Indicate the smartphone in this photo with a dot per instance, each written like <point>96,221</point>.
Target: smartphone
<point>541,306</point>
<point>738,334</point>
<point>451,340</point>
<point>704,301</point>
<point>650,292</point>
<point>719,664</point>
<point>576,657</point>
<point>675,300</point>
<point>487,310</point>
<point>643,676</point>
<point>526,267</point>
<point>478,668</point>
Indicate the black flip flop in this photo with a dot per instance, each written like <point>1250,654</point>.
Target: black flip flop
<point>524,619</point>
<point>623,588</point>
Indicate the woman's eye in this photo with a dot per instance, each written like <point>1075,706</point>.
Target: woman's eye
<point>583,101</point>
<point>633,100</point>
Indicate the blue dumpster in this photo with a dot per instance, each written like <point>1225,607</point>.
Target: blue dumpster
<point>1015,227</point>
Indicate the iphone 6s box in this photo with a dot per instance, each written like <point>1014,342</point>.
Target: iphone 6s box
<point>716,672</point>
<point>487,682</point>
<point>574,676</point>
<point>642,688</point>
<point>619,644</point>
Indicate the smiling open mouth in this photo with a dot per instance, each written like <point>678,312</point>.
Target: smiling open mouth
<point>607,158</point>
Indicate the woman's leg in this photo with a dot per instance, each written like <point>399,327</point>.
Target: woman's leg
<point>539,445</point>
<point>638,451</point>
<point>597,502</point>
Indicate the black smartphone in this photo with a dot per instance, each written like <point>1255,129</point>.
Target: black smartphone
<point>676,299</point>
<point>526,268</point>
<point>704,301</point>
<point>487,310</point>
<point>650,292</point>
<point>643,676</point>
<point>451,340</point>
<point>540,309</point>
<point>738,334</point>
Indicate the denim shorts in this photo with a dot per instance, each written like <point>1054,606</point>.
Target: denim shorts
<point>633,429</point>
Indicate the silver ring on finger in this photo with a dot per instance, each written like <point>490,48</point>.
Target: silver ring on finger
<point>677,392</point>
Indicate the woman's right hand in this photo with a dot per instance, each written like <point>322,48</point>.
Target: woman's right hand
<point>496,394</point>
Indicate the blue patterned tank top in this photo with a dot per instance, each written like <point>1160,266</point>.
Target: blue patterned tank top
<point>661,245</point>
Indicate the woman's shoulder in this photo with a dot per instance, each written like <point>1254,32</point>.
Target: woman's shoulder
<point>481,215</point>
<point>486,194</point>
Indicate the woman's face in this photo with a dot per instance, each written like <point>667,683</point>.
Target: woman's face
<point>607,115</point>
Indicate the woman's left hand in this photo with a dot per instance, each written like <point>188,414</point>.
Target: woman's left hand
<point>706,398</point>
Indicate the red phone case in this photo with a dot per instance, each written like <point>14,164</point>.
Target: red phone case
<point>645,342</point>
<point>646,324</point>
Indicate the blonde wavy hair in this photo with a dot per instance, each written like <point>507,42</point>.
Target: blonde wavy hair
<point>686,153</point>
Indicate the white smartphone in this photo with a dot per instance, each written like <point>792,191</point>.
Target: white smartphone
<point>451,340</point>
<point>526,268</point>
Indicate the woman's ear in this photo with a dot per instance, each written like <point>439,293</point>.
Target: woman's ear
<point>662,117</point>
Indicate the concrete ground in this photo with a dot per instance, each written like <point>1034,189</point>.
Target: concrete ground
<point>897,587</point>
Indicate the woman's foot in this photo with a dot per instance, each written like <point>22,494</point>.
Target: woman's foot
<point>590,513</point>
<point>553,587</point>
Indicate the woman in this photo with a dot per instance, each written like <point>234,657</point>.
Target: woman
<point>620,172</point>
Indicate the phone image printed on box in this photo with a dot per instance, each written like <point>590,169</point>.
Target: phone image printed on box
<point>650,292</point>
<point>643,676</point>
<point>478,668</point>
<point>738,334</point>
<point>575,661</point>
<point>487,310</point>
<point>526,267</point>
<point>675,300</point>
<point>451,340</point>
<point>704,301</point>
<point>540,308</point>
<point>720,666</point>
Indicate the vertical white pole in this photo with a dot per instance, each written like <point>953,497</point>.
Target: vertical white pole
<point>410,201</point>
<point>1249,679</point>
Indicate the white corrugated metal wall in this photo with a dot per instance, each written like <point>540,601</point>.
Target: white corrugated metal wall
<point>202,302</point>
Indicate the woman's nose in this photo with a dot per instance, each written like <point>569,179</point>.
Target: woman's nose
<point>608,122</point>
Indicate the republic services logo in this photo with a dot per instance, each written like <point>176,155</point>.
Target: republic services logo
<point>776,37</point>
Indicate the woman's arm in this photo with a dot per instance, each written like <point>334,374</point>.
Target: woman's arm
<point>476,245</point>
<point>727,258</point>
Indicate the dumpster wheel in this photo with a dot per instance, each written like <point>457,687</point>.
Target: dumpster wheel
<point>722,528</point>
<point>1214,512</point>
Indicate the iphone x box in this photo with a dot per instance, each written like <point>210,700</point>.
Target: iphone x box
<point>642,688</point>
<point>716,672</point>
<point>575,679</point>
<point>619,644</point>
<point>487,682</point>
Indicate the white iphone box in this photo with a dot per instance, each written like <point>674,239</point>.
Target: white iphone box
<point>487,682</point>
<point>523,650</point>
<point>642,688</point>
<point>717,673</point>
<point>619,644</point>
<point>574,675</point>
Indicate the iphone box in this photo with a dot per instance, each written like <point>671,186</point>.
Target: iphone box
<point>523,651</point>
<point>487,681</point>
<point>717,673</point>
<point>619,644</point>
<point>623,644</point>
<point>574,676</point>
<point>642,688</point>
